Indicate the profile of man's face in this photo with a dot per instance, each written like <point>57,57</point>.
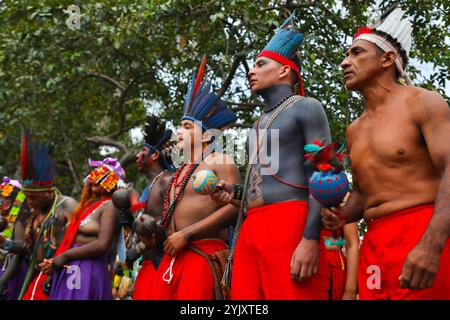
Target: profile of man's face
<point>361,64</point>
<point>188,133</point>
<point>142,158</point>
<point>264,74</point>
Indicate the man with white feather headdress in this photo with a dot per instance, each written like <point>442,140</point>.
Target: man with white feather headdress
<point>401,169</point>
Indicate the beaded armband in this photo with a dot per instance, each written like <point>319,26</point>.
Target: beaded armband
<point>238,192</point>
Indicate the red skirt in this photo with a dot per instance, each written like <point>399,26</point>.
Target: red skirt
<point>385,246</point>
<point>144,281</point>
<point>261,264</point>
<point>336,268</point>
<point>35,289</point>
<point>187,276</point>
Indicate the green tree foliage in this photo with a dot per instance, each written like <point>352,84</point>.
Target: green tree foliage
<point>85,88</point>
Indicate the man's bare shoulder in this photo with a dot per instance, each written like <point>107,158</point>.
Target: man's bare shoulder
<point>426,105</point>
<point>219,159</point>
<point>352,130</point>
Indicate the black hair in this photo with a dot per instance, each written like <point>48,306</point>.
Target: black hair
<point>394,43</point>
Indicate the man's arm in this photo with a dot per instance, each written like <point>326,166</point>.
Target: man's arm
<point>353,210</point>
<point>314,125</point>
<point>432,115</point>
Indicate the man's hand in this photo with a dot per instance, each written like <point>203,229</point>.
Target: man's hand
<point>349,295</point>
<point>175,242</point>
<point>223,194</point>
<point>305,260</point>
<point>420,268</point>
<point>333,218</point>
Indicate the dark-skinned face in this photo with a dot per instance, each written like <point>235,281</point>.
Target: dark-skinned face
<point>39,200</point>
<point>143,159</point>
<point>361,65</point>
<point>5,205</point>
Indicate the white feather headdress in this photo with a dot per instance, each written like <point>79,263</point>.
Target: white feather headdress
<point>398,28</point>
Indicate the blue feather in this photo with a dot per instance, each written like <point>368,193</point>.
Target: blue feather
<point>287,21</point>
<point>311,148</point>
<point>206,105</point>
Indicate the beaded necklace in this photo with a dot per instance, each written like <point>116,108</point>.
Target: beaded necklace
<point>169,209</point>
<point>279,102</point>
<point>258,146</point>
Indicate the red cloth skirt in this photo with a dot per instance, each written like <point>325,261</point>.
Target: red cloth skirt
<point>386,244</point>
<point>188,275</point>
<point>144,281</point>
<point>261,264</point>
<point>35,289</point>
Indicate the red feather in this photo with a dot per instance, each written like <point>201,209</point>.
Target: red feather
<point>361,31</point>
<point>24,155</point>
<point>198,80</point>
<point>137,206</point>
<point>317,143</point>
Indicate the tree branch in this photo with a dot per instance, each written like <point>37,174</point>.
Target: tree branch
<point>106,78</point>
<point>243,106</point>
<point>106,141</point>
<point>291,6</point>
<point>227,82</point>
<point>77,186</point>
<point>118,132</point>
<point>247,71</point>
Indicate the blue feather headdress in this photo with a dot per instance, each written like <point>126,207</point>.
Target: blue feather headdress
<point>203,106</point>
<point>283,48</point>
<point>38,168</point>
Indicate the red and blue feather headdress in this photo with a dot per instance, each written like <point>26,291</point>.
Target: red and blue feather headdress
<point>38,168</point>
<point>283,48</point>
<point>203,106</point>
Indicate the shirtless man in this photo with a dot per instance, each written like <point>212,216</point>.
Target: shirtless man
<point>154,161</point>
<point>93,227</point>
<point>49,214</point>
<point>196,225</point>
<point>401,171</point>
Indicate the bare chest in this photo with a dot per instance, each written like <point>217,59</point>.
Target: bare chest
<point>388,138</point>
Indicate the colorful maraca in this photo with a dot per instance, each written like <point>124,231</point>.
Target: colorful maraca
<point>328,184</point>
<point>204,182</point>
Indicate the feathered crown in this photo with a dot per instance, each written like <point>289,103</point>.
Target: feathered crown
<point>155,134</point>
<point>205,107</point>
<point>38,168</point>
<point>157,138</point>
<point>400,29</point>
<point>283,48</point>
<point>108,173</point>
<point>7,186</point>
